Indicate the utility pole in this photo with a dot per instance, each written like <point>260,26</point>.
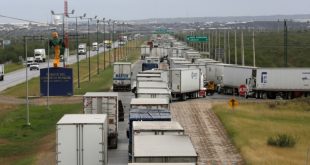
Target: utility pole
<point>254,49</point>
<point>242,48</point>
<point>236,62</point>
<point>228,47</point>
<point>225,49</point>
<point>285,44</point>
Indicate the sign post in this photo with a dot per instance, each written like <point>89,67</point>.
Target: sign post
<point>242,90</point>
<point>233,103</point>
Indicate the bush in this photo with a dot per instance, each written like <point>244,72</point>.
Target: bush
<point>282,140</point>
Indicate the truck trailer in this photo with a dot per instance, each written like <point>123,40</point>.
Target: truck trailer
<point>122,76</point>
<point>104,103</point>
<point>287,83</point>
<point>185,83</point>
<point>39,55</point>
<point>82,139</point>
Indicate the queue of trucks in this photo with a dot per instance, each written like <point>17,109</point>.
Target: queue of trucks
<point>153,137</point>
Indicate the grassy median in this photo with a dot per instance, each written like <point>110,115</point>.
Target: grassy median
<point>251,124</point>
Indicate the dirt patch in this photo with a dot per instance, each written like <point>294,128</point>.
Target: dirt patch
<point>4,141</point>
<point>207,133</point>
<point>11,100</point>
<point>46,151</point>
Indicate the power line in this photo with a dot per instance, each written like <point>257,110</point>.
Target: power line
<point>20,19</point>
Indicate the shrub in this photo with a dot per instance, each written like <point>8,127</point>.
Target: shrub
<point>282,140</point>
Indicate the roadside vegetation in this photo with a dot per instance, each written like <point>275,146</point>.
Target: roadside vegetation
<point>99,82</point>
<point>284,124</point>
<point>269,47</point>
<point>19,143</point>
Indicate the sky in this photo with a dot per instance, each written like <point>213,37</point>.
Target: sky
<point>39,10</point>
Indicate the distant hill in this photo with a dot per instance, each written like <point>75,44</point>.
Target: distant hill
<point>300,17</point>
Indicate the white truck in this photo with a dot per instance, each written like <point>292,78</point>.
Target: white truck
<point>95,46</point>
<point>29,61</point>
<point>145,51</point>
<point>104,103</point>
<point>39,55</point>
<point>233,77</point>
<point>82,139</point>
<point>185,83</point>
<point>1,72</point>
<point>122,76</point>
<point>82,49</point>
<point>287,83</point>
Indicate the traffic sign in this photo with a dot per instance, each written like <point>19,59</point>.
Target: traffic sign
<point>197,39</point>
<point>242,90</point>
<point>233,103</point>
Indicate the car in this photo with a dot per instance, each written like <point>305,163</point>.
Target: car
<point>34,66</point>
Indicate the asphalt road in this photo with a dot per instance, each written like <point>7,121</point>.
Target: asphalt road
<point>19,76</point>
<point>120,155</point>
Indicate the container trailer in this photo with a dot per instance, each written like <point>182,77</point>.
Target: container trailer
<point>82,139</point>
<point>122,76</point>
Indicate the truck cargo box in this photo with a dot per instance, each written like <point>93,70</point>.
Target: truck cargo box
<point>82,139</point>
<point>153,93</point>
<point>163,149</point>
<point>149,103</point>
<point>122,76</point>
<point>184,80</point>
<point>104,103</point>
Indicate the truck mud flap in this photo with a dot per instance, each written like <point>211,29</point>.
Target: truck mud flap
<point>112,141</point>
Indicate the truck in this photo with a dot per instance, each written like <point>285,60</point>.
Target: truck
<point>145,115</point>
<point>29,61</point>
<point>149,103</point>
<point>185,83</point>
<point>82,49</point>
<point>122,76</point>
<point>1,72</point>
<point>82,139</point>
<point>149,66</point>
<point>108,43</point>
<point>286,83</point>
<point>39,55</point>
<point>95,46</point>
<point>153,93</point>
<point>163,149</point>
<point>233,77</point>
<point>104,103</point>
<point>145,51</point>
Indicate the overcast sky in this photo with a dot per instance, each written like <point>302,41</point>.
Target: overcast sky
<point>39,10</point>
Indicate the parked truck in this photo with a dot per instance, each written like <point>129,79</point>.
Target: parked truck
<point>233,77</point>
<point>82,139</point>
<point>287,83</point>
<point>104,103</point>
<point>185,83</point>
<point>1,72</point>
<point>145,115</point>
<point>39,55</point>
<point>122,76</point>
<point>82,49</point>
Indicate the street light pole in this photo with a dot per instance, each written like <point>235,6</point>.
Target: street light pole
<point>103,43</point>
<point>97,48</point>
<point>109,23</point>
<point>27,91</point>
<point>114,49</point>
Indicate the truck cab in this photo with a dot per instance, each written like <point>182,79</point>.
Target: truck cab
<point>95,46</point>
<point>1,72</point>
<point>30,60</point>
<point>39,55</point>
<point>82,49</point>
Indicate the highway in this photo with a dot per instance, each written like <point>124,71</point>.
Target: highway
<point>19,76</point>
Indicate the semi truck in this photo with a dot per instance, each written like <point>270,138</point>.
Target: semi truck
<point>95,46</point>
<point>1,72</point>
<point>82,49</point>
<point>185,83</point>
<point>122,76</point>
<point>286,83</point>
<point>108,43</point>
<point>105,103</point>
<point>39,55</point>
<point>82,139</point>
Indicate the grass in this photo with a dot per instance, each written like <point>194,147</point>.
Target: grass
<point>99,82</point>
<point>11,67</point>
<point>24,140</point>
<point>250,125</point>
